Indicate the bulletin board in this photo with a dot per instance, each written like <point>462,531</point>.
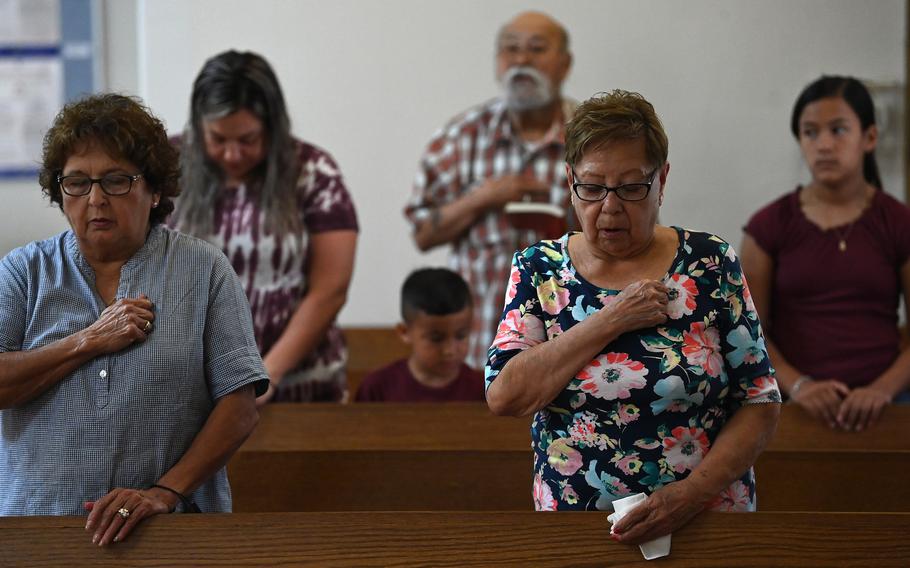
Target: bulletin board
<point>48,56</point>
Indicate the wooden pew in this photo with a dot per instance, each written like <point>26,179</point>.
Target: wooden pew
<point>821,469</point>
<point>383,457</point>
<point>370,348</point>
<point>460,457</point>
<point>460,539</point>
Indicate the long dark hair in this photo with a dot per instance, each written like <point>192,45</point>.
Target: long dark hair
<point>855,94</point>
<point>229,82</point>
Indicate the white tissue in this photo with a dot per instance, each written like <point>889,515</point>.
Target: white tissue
<point>652,549</point>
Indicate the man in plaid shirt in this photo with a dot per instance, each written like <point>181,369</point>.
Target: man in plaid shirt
<point>507,149</point>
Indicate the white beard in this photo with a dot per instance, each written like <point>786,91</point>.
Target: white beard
<point>522,95</point>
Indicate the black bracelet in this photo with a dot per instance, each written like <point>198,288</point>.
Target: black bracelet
<point>189,506</point>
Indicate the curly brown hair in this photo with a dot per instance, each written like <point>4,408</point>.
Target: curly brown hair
<point>126,130</point>
<point>617,115</point>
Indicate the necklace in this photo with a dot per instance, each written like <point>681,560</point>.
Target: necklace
<point>842,237</point>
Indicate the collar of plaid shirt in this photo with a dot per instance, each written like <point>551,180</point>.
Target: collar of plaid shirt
<point>503,131</point>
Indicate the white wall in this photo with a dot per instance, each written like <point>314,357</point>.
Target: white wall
<point>26,215</point>
<point>370,81</point>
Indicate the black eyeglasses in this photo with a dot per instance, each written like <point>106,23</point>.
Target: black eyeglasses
<point>111,184</point>
<point>626,191</point>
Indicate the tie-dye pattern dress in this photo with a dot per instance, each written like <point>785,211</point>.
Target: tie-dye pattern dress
<point>273,267</point>
<point>645,411</point>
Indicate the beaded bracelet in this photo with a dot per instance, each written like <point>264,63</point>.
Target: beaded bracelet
<point>189,506</point>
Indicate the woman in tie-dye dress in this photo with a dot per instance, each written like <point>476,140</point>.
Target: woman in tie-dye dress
<point>635,345</point>
<point>279,209</point>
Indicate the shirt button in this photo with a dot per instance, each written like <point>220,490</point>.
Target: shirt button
<point>103,374</point>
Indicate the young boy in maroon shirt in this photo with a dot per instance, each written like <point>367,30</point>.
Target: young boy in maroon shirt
<point>436,314</point>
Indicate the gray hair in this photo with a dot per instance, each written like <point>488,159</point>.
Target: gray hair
<point>229,82</point>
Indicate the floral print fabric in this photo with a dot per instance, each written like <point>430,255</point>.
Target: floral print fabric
<point>645,411</point>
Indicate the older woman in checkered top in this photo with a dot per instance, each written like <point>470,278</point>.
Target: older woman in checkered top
<point>127,360</point>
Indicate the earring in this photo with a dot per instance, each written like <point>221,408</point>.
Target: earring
<point>155,204</point>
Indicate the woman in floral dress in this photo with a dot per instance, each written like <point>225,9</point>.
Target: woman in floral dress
<point>635,345</point>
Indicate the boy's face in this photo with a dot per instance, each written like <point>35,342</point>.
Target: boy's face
<point>439,344</point>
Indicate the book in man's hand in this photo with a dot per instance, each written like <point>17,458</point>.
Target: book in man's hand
<point>548,220</point>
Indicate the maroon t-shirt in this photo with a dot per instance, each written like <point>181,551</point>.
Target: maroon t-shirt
<point>395,383</point>
<point>833,313</point>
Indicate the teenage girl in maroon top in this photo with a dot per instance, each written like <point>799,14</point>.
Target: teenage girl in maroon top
<point>827,264</point>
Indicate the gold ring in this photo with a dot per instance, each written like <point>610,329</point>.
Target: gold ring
<point>124,512</point>
<point>148,326</point>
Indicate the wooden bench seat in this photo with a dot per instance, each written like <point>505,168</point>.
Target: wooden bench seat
<point>460,457</point>
<point>369,349</point>
<point>460,539</point>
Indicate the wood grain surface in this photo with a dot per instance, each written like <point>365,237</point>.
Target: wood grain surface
<point>471,426</point>
<point>460,457</point>
<point>460,539</point>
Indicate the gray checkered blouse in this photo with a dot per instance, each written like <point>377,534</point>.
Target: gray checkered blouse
<point>123,419</point>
